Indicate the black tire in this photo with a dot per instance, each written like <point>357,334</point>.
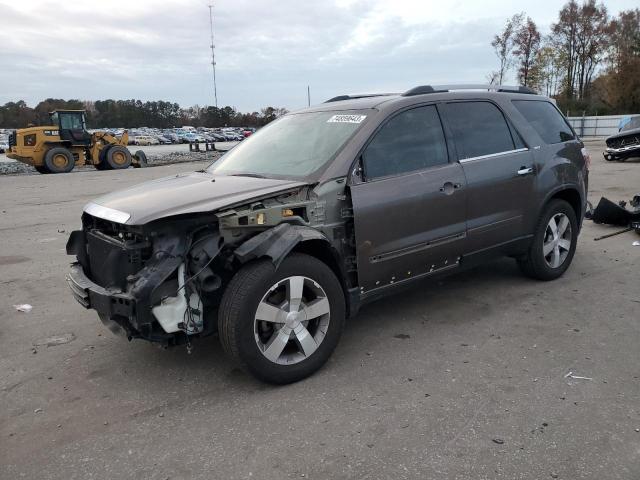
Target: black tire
<point>117,157</point>
<point>142,159</point>
<point>59,160</point>
<point>534,264</point>
<point>42,169</point>
<point>236,317</point>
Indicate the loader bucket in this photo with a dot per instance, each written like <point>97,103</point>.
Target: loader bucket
<point>139,159</point>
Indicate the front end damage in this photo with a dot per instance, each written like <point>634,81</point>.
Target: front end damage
<point>138,279</point>
<point>163,281</point>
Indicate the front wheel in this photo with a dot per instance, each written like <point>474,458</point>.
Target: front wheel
<point>118,157</point>
<point>554,243</point>
<point>282,324</point>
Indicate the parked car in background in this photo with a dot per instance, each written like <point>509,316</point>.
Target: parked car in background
<point>4,143</point>
<point>171,136</point>
<point>275,244</point>
<point>626,143</point>
<point>145,140</point>
<point>163,140</point>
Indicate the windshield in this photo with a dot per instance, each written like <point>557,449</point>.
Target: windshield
<point>631,124</point>
<point>292,146</point>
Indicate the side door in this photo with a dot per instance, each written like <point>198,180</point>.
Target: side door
<point>409,203</point>
<point>499,169</point>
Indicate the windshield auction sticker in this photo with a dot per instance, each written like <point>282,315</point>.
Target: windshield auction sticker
<point>347,119</point>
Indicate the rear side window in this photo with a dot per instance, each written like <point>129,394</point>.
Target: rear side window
<point>412,140</point>
<point>479,128</point>
<point>545,119</point>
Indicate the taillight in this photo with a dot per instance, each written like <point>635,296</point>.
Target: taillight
<point>587,158</point>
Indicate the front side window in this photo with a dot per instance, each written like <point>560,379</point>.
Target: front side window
<point>412,140</point>
<point>545,119</point>
<point>479,128</point>
<point>71,122</point>
<point>293,146</point>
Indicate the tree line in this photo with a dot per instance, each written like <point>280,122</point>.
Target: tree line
<point>135,113</point>
<point>589,62</point>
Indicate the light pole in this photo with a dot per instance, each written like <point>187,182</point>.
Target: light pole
<point>213,56</point>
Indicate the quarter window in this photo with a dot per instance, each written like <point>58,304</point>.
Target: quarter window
<point>546,120</point>
<point>412,140</point>
<point>479,128</point>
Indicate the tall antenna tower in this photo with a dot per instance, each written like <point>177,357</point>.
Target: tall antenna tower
<point>213,56</point>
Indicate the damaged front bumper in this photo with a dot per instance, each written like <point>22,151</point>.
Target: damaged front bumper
<point>109,305</point>
<point>136,282</point>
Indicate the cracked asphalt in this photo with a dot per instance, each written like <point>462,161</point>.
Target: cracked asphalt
<point>465,377</point>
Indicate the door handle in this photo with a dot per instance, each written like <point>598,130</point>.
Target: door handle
<point>525,170</point>
<point>448,188</point>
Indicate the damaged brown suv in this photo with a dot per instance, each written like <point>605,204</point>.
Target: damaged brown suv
<point>275,244</point>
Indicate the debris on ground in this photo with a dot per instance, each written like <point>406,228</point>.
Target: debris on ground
<point>24,307</point>
<point>576,377</point>
<point>499,441</point>
<point>636,243</point>
<point>616,213</point>
<point>55,340</point>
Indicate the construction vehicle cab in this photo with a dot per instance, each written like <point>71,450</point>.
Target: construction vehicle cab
<point>72,126</point>
<point>65,143</point>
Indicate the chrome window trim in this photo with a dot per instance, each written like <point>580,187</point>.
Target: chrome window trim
<point>499,154</point>
<point>106,213</point>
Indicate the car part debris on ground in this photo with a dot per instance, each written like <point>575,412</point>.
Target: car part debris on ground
<point>611,213</point>
<point>25,307</point>
<point>576,377</point>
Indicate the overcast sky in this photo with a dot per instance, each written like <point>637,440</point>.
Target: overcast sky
<point>267,52</point>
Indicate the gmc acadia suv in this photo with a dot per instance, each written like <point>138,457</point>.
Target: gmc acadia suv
<point>276,243</point>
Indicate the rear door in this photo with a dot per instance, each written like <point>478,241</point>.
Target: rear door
<point>499,170</point>
<point>409,206</point>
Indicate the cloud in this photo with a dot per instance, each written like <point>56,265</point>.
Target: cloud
<point>266,52</point>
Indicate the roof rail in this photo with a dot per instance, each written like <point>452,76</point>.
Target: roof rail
<point>424,89</point>
<point>356,96</point>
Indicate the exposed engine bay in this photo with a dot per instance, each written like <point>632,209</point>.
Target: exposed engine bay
<point>163,281</point>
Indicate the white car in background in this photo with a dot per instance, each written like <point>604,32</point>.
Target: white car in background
<point>145,140</point>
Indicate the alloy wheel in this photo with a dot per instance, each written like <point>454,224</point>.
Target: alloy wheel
<point>291,320</point>
<point>557,240</point>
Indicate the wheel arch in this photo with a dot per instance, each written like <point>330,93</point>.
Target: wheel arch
<point>284,239</point>
<point>571,195</point>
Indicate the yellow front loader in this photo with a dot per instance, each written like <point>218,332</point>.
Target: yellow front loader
<point>66,143</point>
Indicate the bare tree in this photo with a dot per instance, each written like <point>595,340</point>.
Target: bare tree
<point>503,44</point>
<point>581,35</point>
<point>526,44</point>
<point>546,70</point>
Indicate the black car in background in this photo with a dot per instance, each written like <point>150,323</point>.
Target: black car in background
<point>626,143</point>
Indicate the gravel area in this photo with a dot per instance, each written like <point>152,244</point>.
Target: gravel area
<point>154,160</point>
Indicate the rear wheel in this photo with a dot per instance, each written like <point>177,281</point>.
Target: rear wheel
<point>118,157</point>
<point>282,325</point>
<point>58,160</point>
<point>554,243</point>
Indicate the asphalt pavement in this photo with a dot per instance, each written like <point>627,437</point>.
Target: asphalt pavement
<point>482,375</point>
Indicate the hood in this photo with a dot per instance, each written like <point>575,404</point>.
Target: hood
<point>624,133</point>
<point>196,192</point>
